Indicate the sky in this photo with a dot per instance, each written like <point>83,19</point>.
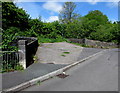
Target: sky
<point>49,11</point>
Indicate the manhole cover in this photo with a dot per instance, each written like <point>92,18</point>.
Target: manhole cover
<point>62,75</point>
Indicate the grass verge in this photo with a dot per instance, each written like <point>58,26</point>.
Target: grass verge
<point>50,40</point>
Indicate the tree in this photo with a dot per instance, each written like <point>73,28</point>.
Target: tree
<point>58,28</point>
<point>14,21</point>
<point>13,16</point>
<point>92,21</point>
<point>103,33</point>
<point>36,27</point>
<point>97,16</point>
<point>67,13</point>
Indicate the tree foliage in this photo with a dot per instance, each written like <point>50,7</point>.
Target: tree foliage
<point>95,25</point>
<point>93,20</point>
<point>67,14</point>
<point>98,17</point>
<point>13,16</point>
<point>8,36</point>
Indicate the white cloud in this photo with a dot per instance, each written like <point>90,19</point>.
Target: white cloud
<point>50,19</point>
<point>52,6</point>
<point>91,1</point>
<point>112,4</point>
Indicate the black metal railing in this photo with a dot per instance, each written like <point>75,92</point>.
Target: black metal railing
<point>9,60</point>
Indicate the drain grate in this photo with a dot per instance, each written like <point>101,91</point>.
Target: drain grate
<point>62,75</point>
<point>50,63</point>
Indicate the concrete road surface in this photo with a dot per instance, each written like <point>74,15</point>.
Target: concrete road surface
<point>96,74</point>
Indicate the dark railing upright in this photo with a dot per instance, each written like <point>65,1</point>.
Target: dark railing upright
<point>10,59</point>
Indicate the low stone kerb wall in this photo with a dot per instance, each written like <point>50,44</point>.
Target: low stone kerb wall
<point>27,48</point>
<point>94,43</point>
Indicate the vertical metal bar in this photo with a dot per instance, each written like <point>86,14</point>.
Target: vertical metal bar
<point>6,63</point>
<point>9,58</point>
<point>18,58</point>
<point>6,60</point>
<point>3,60</point>
<point>13,61</point>
<point>15,58</point>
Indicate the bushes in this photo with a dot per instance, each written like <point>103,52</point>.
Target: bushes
<point>51,30</point>
<point>42,39</point>
<point>36,27</point>
<point>9,68</point>
<point>95,25</point>
<point>107,33</point>
<point>8,36</point>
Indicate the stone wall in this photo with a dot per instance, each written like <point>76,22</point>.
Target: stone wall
<point>94,43</point>
<point>80,41</point>
<point>31,49</point>
<point>27,49</point>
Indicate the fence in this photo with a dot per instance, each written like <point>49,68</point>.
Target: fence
<point>9,60</point>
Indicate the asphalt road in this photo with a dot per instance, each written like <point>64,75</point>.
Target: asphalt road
<point>99,73</point>
<point>87,52</point>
